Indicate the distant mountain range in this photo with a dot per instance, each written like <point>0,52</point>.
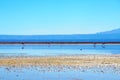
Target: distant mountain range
<point>116,31</point>
<point>108,36</point>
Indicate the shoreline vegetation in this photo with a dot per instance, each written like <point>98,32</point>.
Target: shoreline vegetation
<point>58,61</point>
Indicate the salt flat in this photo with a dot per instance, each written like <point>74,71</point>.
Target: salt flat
<point>56,61</point>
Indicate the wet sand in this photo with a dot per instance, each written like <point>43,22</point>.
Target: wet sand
<point>56,61</point>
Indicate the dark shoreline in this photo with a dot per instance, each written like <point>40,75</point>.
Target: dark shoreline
<point>59,42</point>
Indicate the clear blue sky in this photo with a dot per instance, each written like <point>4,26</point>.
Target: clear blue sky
<point>58,16</point>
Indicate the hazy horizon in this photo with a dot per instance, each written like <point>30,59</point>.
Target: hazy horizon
<point>67,34</point>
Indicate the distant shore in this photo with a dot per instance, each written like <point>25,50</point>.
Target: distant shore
<point>93,42</point>
<point>56,61</point>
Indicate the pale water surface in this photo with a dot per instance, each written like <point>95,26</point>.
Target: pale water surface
<point>55,49</point>
<point>38,73</point>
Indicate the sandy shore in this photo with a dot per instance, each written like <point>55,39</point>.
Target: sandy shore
<point>79,61</point>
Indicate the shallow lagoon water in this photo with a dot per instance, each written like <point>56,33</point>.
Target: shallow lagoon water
<point>56,50</point>
<point>38,74</point>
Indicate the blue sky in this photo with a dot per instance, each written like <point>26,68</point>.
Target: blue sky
<point>58,16</point>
